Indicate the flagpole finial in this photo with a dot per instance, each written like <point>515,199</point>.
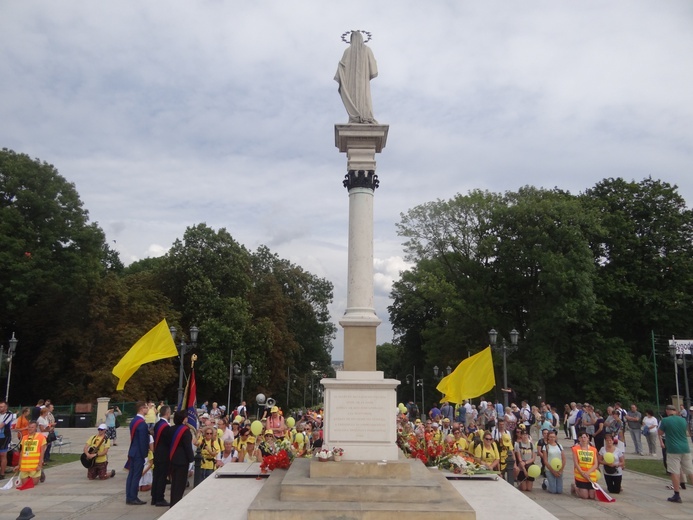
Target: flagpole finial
<point>193,358</point>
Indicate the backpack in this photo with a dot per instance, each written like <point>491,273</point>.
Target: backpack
<point>532,418</point>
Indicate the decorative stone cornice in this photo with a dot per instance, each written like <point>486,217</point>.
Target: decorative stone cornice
<point>361,179</point>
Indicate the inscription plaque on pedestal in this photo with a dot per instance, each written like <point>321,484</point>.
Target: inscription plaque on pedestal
<point>357,415</point>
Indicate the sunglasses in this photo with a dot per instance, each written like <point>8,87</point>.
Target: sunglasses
<point>488,438</point>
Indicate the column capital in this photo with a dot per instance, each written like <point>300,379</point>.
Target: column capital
<point>361,179</point>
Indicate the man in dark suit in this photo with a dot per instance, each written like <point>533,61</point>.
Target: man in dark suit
<point>162,445</point>
<point>182,456</point>
<point>139,448</point>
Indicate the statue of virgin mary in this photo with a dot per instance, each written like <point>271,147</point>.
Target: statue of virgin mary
<point>354,73</point>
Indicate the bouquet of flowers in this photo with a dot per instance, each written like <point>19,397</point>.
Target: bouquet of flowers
<point>461,465</point>
<point>338,451</point>
<point>281,460</point>
<point>324,454</point>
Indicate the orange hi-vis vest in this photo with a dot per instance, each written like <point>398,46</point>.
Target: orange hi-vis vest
<point>31,452</point>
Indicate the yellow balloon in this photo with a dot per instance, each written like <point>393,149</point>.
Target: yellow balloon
<point>534,471</point>
<point>256,428</point>
<point>290,422</point>
<point>556,464</point>
<point>609,457</point>
<point>595,475</point>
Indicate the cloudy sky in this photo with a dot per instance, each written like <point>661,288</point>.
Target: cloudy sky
<point>170,113</point>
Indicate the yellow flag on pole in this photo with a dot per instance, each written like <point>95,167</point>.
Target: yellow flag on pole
<point>154,345</point>
<point>473,377</point>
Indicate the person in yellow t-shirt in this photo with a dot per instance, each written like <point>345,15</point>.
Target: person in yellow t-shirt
<point>460,441</point>
<point>31,451</point>
<point>486,453</point>
<point>97,448</point>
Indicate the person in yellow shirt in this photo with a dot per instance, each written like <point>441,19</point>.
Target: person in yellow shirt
<point>210,447</point>
<point>460,440</point>
<point>97,448</point>
<point>31,451</point>
<point>486,453</point>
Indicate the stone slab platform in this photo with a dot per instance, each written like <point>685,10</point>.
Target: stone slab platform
<point>362,482</point>
<point>292,495</point>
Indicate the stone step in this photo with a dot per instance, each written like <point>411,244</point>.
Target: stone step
<point>291,495</point>
<point>299,484</point>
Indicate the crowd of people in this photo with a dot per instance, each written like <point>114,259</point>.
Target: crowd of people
<point>512,439</point>
<point>163,450</point>
<point>35,431</point>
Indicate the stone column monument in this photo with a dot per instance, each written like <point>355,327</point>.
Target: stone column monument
<point>372,482</point>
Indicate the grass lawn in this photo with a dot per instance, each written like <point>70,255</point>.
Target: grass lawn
<point>648,466</point>
<point>62,458</point>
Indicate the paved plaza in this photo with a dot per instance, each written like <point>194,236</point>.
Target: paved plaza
<point>67,494</point>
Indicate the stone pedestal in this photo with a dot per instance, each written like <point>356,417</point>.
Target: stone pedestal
<point>360,415</point>
<point>403,489</point>
<point>101,409</point>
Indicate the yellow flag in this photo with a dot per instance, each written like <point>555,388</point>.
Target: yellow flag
<point>472,378</point>
<point>154,345</point>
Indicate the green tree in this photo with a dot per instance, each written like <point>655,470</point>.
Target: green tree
<point>51,258</point>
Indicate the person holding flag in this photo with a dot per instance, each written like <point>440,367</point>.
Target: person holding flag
<point>31,451</point>
<point>180,455</point>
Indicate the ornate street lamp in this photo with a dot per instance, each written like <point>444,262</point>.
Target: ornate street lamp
<point>10,355</point>
<point>504,348</point>
<point>182,349</point>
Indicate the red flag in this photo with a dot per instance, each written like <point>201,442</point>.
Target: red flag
<point>27,485</point>
<point>190,399</point>
<point>602,495</point>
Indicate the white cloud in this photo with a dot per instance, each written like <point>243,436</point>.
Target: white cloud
<point>170,113</point>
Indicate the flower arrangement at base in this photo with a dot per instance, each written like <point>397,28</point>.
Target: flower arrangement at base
<point>324,455</point>
<point>462,465</point>
<point>281,460</point>
<point>337,452</point>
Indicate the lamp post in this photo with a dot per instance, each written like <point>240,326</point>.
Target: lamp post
<point>420,382</point>
<point>411,380</point>
<point>289,380</point>
<point>10,355</point>
<point>675,351</point>
<point>438,375</point>
<point>241,374</point>
<point>504,348</point>
<point>228,397</point>
<point>182,349</point>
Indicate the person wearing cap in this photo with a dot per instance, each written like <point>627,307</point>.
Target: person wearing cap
<point>26,514</point>
<point>275,422</point>
<point>97,447</point>
<point>268,445</point>
<point>251,452</point>
<point>446,428</point>
<point>678,450</point>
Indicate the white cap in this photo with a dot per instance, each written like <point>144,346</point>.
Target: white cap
<point>103,426</point>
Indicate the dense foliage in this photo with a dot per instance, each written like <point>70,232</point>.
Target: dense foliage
<point>586,280</point>
<point>76,309</point>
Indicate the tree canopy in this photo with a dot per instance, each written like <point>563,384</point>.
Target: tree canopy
<point>583,278</point>
<point>77,310</point>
